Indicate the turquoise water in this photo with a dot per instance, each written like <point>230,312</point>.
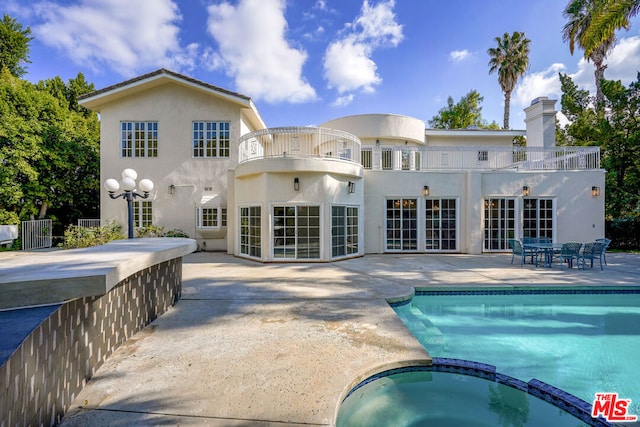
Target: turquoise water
<point>581,343</point>
<point>446,399</point>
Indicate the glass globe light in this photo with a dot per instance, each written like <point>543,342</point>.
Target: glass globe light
<point>111,185</point>
<point>130,173</point>
<point>128,184</point>
<point>146,185</point>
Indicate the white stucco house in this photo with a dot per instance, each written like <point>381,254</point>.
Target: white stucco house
<point>372,183</point>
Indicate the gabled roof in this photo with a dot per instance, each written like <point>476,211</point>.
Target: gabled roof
<point>95,100</point>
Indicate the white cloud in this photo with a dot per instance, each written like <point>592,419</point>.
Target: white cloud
<point>253,50</point>
<point>343,101</point>
<point>624,61</point>
<point>121,35</point>
<point>459,55</point>
<point>543,83</point>
<point>348,65</point>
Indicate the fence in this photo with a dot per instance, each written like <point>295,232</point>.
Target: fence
<point>37,234</point>
<point>89,223</point>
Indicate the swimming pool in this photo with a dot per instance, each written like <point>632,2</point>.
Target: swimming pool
<point>580,340</point>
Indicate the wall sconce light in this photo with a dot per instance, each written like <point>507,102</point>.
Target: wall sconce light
<point>296,184</point>
<point>595,191</point>
<point>352,187</point>
<point>526,191</point>
<point>425,190</point>
<point>172,189</point>
<point>377,143</point>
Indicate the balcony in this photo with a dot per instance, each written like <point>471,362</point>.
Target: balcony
<point>299,142</point>
<point>479,158</point>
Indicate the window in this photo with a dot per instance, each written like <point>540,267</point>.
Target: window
<point>211,139</point>
<point>537,217</point>
<point>402,223</point>
<point>406,161</point>
<point>142,213</point>
<point>139,139</point>
<point>250,231</point>
<point>344,230</point>
<point>387,159</point>
<point>211,217</point>
<point>366,158</point>
<point>483,156</point>
<point>499,223</point>
<point>418,160</point>
<point>440,230</point>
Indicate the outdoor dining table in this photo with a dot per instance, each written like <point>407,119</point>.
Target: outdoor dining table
<point>547,250</point>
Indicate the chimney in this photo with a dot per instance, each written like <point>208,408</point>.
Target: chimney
<point>541,122</point>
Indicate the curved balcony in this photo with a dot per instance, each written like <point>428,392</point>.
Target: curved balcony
<point>299,142</point>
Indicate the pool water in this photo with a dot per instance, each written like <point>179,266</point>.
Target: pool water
<point>446,399</point>
<point>582,343</point>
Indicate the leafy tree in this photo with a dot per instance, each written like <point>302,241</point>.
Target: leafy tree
<point>616,131</point>
<point>580,15</point>
<point>465,113</point>
<point>613,15</point>
<point>14,46</point>
<point>49,151</point>
<point>510,59</point>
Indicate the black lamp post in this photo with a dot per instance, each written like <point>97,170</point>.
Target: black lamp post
<point>129,193</point>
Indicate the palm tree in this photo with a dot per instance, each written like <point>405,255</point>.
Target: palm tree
<point>580,15</point>
<point>511,60</point>
<point>613,16</point>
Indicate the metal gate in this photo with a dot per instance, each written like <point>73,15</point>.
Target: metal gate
<point>36,234</point>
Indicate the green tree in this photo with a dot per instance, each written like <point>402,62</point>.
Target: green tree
<point>49,150</point>
<point>580,15</point>
<point>465,113</point>
<point>14,46</point>
<point>612,16</point>
<point>510,59</point>
<point>616,131</point>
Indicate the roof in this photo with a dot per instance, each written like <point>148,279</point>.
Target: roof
<point>95,100</point>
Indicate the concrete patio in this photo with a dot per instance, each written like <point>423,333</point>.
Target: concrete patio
<point>280,344</point>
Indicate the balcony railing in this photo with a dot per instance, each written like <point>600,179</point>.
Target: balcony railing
<point>480,158</point>
<point>299,142</point>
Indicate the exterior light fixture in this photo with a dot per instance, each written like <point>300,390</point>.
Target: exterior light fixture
<point>526,191</point>
<point>129,193</point>
<point>296,184</point>
<point>352,187</point>
<point>377,143</point>
<point>172,189</point>
<point>595,191</point>
<point>425,190</point>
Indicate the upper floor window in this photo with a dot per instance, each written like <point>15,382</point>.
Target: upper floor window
<point>139,139</point>
<point>366,158</point>
<point>483,156</point>
<point>211,139</point>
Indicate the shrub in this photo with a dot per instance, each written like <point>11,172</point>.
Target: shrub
<point>150,231</point>
<point>176,233</point>
<point>84,237</point>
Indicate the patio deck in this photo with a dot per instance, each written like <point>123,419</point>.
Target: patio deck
<point>280,344</point>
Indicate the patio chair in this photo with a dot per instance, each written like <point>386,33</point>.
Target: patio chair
<point>544,240</point>
<point>568,253</point>
<point>591,251</point>
<point>519,250</point>
<point>534,252</point>
<point>606,242</point>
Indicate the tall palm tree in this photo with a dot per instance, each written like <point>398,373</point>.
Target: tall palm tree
<point>615,14</point>
<point>580,15</point>
<point>510,59</point>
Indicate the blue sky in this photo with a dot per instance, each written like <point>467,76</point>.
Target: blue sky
<point>307,61</point>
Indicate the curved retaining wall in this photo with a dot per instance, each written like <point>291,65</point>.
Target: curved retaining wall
<point>41,379</point>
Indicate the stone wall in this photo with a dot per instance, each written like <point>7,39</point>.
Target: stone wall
<point>46,373</point>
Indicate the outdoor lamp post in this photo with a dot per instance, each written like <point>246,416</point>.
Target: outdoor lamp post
<point>129,193</point>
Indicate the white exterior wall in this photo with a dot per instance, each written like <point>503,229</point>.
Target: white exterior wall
<point>174,108</point>
<point>578,216</point>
